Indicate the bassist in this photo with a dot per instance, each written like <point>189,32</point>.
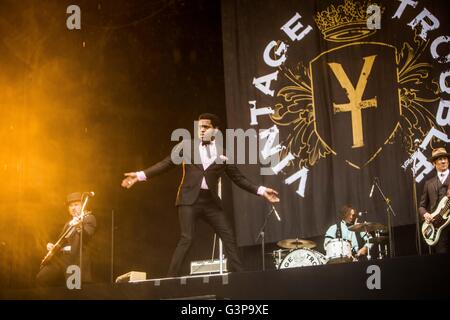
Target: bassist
<point>434,190</point>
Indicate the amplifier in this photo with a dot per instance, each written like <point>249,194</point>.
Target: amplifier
<point>131,276</point>
<point>208,266</point>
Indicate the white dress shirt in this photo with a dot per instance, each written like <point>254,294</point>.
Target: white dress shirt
<point>443,176</point>
<point>208,153</point>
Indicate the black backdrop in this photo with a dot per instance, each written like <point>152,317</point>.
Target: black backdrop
<point>306,82</point>
<point>79,108</point>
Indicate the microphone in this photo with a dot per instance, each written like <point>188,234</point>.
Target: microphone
<point>371,190</point>
<point>276,213</point>
<point>361,213</point>
<point>90,193</point>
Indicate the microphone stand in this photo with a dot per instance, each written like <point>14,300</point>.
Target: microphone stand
<point>414,190</point>
<point>81,237</point>
<point>261,235</point>
<point>221,255</point>
<point>389,211</point>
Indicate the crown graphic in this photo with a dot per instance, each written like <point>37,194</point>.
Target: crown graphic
<point>346,22</point>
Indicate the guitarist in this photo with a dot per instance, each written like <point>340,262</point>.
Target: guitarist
<point>434,190</point>
<point>53,272</point>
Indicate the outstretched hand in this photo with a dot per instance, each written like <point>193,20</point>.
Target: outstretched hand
<point>271,195</point>
<point>130,180</point>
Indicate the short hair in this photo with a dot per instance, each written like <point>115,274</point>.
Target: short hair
<point>345,209</point>
<point>215,120</point>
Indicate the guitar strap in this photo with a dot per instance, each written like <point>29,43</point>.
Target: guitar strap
<point>338,230</point>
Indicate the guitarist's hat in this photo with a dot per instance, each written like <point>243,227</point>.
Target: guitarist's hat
<point>73,197</point>
<point>439,152</point>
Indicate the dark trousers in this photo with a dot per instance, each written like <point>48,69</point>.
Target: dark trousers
<point>53,274</point>
<point>443,244</point>
<point>207,209</point>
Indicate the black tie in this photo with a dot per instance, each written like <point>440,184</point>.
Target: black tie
<point>207,146</point>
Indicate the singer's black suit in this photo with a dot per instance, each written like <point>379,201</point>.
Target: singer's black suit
<point>433,192</point>
<point>194,202</point>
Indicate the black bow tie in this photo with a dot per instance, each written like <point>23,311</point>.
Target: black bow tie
<point>206,143</point>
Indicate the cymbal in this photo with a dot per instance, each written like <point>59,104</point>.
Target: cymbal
<point>367,226</point>
<point>296,243</point>
<point>379,239</point>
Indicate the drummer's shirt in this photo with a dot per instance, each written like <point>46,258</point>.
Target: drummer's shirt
<point>346,235</point>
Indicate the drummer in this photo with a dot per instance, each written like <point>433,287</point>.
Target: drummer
<point>340,230</point>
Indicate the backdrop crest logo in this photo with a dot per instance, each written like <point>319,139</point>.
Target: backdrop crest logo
<point>346,22</point>
<point>340,93</point>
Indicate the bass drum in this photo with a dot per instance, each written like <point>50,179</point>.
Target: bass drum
<point>302,258</point>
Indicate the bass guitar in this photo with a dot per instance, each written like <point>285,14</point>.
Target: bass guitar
<point>432,231</point>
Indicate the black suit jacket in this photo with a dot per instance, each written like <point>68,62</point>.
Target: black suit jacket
<point>193,174</point>
<point>430,196</point>
<point>73,240</point>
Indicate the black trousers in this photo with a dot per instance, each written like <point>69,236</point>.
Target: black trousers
<point>443,244</point>
<point>53,274</point>
<point>207,209</point>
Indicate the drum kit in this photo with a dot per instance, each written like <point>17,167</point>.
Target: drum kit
<point>299,253</point>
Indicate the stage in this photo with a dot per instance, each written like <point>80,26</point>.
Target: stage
<point>410,277</point>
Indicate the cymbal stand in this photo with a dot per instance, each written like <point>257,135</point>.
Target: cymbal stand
<point>389,211</point>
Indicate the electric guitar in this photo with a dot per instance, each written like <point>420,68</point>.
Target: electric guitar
<point>432,231</point>
<point>57,246</point>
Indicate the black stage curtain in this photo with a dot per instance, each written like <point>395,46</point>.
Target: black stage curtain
<point>348,101</point>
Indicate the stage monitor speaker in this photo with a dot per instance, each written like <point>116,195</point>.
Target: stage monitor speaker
<point>208,266</point>
<point>131,276</point>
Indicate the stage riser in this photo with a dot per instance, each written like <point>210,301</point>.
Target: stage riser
<point>400,278</point>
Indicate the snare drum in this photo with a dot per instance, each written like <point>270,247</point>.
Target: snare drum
<point>338,251</point>
<point>301,258</point>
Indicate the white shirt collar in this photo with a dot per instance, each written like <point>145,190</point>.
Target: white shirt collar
<point>443,175</point>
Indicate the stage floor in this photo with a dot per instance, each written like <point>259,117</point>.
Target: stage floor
<point>413,277</point>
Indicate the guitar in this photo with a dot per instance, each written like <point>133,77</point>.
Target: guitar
<point>432,231</point>
<point>57,246</point>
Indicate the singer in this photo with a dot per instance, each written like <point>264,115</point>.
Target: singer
<point>67,250</point>
<point>197,194</point>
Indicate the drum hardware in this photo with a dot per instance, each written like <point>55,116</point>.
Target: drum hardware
<point>296,244</point>
<point>370,227</point>
<point>380,240</point>
<point>367,227</point>
<point>390,213</point>
<point>278,256</point>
